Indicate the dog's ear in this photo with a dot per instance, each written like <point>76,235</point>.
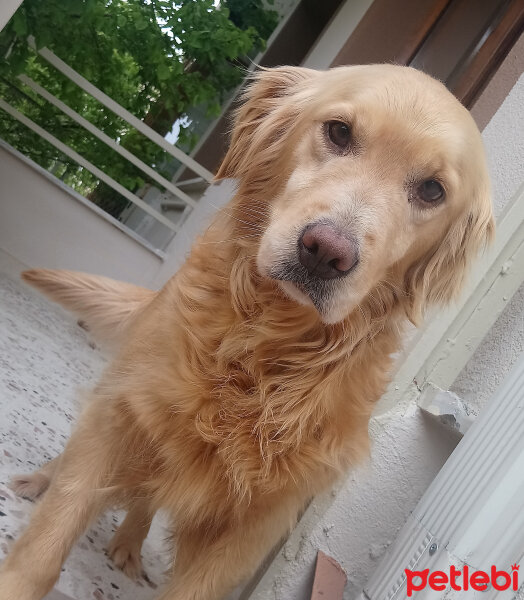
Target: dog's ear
<point>264,120</point>
<point>439,276</point>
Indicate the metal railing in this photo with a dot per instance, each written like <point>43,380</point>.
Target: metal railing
<point>175,196</point>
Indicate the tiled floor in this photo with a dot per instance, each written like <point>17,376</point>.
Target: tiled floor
<point>44,358</point>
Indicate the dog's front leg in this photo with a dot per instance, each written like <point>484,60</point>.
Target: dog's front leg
<point>74,498</point>
<point>209,565</point>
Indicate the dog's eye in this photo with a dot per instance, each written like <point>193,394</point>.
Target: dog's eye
<point>339,133</point>
<point>430,191</point>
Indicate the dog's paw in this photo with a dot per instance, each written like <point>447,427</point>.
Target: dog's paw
<point>29,486</point>
<point>126,556</point>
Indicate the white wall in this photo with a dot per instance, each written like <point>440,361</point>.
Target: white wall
<point>358,523</point>
<point>42,225</point>
<point>504,138</point>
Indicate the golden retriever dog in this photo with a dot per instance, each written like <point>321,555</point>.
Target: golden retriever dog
<point>245,385</point>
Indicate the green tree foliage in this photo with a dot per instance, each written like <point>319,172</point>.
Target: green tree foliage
<point>157,58</point>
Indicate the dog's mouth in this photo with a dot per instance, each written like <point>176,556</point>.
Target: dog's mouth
<point>319,291</point>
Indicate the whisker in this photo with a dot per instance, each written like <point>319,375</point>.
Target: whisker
<point>242,237</point>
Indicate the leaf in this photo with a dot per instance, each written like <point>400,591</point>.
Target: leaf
<point>17,62</point>
<point>163,72</point>
<point>44,38</point>
<point>140,23</point>
<point>19,24</point>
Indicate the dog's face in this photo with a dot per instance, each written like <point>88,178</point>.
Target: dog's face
<point>366,175</point>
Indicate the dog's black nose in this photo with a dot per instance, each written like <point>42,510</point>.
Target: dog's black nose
<point>326,252</point>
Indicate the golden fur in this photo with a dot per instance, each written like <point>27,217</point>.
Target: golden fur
<point>233,397</point>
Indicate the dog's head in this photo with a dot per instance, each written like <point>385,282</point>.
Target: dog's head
<point>359,177</point>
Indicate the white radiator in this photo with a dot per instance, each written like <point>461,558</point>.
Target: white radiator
<point>473,512</point>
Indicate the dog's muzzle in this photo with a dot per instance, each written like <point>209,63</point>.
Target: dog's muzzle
<point>324,255</point>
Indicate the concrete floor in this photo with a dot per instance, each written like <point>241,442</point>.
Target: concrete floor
<point>56,595</point>
<point>44,358</point>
